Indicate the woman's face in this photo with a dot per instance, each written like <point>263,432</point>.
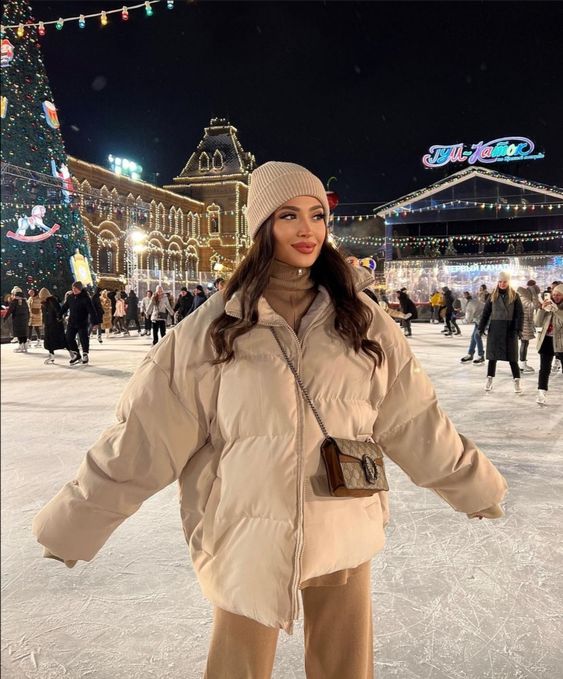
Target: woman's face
<point>557,297</point>
<point>299,231</point>
<point>503,285</point>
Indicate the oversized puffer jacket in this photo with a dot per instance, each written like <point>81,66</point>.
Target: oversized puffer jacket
<point>246,450</point>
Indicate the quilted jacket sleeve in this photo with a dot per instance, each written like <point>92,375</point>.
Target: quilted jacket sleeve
<point>416,434</point>
<point>159,427</point>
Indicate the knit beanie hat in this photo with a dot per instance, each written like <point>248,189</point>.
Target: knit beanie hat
<point>15,290</point>
<point>505,276</point>
<point>558,289</point>
<point>273,184</point>
<point>43,294</point>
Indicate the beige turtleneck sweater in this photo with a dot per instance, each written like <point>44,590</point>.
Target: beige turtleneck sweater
<point>290,292</point>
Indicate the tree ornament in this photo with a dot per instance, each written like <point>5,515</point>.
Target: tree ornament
<point>6,53</point>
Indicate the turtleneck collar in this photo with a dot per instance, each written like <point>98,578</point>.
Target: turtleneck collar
<point>287,277</point>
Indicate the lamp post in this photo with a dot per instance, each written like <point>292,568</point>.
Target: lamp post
<point>135,242</point>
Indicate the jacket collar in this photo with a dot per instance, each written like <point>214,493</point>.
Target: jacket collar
<point>267,316</point>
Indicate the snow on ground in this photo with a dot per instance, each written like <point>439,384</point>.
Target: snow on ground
<point>453,598</point>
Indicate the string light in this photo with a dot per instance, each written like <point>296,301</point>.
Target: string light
<point>104,19</point>
<point>41,29</point>
<point>20,32</point>
<point>147,5</point>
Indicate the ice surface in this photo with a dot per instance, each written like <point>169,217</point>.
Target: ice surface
<point>453,598</point>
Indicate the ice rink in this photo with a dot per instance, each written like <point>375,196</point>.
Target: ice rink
<point>452,598</point>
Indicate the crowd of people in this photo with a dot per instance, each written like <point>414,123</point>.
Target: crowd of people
<point>70,323</point>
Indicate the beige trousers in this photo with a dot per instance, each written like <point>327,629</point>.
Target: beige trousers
<point>338,635</point>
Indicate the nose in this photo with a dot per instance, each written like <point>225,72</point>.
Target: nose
<point>305,226</point>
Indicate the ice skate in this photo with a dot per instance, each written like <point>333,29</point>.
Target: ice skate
<point>38,344</point>
<point>27,346</point>
<point>467,358</point>
<point>85,358</point>
<point>100,339</point>
<point>525,368</point>
<point>541,398</point>
<point>20,348</point>
<point>555,367</point>
<point>50,360</point>
<point>489,384</point>
<point>75,358</point>
<point>517,386</point>
<point>479,360</point>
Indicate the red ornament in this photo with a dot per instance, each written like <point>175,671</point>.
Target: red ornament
<point>333,200</point>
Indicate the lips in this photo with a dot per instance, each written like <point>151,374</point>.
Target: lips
<point>304,248</point>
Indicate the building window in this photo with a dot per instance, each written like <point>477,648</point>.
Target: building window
<point>214,219</point>
<point>106,257</point>
<point>192,264</point>
<point>204,162</point>
<point>218,160</point>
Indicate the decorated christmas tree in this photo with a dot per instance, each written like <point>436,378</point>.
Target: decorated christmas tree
<point>41,228</point>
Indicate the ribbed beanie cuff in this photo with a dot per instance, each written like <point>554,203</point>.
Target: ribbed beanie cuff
<point>273,184</point>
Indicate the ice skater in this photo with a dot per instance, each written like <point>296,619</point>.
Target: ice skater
<point>158,311</point>
<point>216,405</point>
<point>530,298</point>
<point>550,341</point>
<point>145,302</point>
<point>451,323</point>
<point>408,308</point>
<point>81,313</point>
<point>54,330</point>
<point>35,316</point>
<point>473,310</point>
<point>19,311</point>
<point>504,313</point>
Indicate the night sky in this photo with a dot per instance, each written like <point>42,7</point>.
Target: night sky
<point>351,89</point>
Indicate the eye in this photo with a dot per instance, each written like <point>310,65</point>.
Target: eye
<point>287,215</point>
<point>319,216</point>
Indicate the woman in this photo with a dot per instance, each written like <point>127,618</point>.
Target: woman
<point>504,310</point>
<point>550,341</point>
<point>98,308</point>
<point>19,311</point>
<point>145,302</point>
<point>53,322</point>
<point>215,405</point>
<point>158,310</point>
<point>436,302</point>
<point>529,296</point>
<point>35,316</point>
<point>107,322</point>
<point>119,315</point>
<point>132,312</point>
<point>199,298</point>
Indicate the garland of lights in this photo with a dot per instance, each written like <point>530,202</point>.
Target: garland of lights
<point>81,18</point>
<point>525,237</point>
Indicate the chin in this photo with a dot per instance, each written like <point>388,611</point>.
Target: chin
<point>298,259</point>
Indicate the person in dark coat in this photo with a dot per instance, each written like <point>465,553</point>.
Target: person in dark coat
<point>19,311</point>
<point>451,323</point>
<point>184,303</point>
<point>97,304</point>
<point>199,298</point>
<point>132,314</point>
<point>113,299</point>
<point>408,307</point>
<point>506,314</point>
<point>53,326</point>
<point>81,312</point>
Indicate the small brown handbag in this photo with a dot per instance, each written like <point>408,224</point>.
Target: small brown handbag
<point>354,468</point>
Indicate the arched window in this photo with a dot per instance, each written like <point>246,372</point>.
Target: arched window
<point>192,264</point>
<point>154,258</point>
<point>204,162</point>
<point>214,219</point>
<point>107,259</point>
<point>179,226</point>
<point>218,160</point>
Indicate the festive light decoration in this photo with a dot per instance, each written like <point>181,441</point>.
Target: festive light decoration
<point>103,19</point>
<point>82,17</point>
<point>20,32</point>
<point>41,29</point>
<point>402,241</point>
<point>126,167</point>
<point>503,149</point>
<point>36,241</point>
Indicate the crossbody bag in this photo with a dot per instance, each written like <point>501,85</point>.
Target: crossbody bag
<point>353,468</point>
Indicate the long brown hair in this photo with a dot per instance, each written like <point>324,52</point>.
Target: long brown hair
<point>511,294</point>
<point>250,279</point>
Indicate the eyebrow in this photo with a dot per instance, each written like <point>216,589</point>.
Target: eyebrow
<point>297,209</point>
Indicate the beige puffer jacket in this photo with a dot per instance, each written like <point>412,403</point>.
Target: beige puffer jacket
<point>245,448</point>
<point>35,311</point>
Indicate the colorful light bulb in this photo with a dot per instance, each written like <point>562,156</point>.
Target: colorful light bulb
<point>81,21</point>
<point>20,32</point>
<point>170,4</point>
<point>60,23</point>
<point>124,13</point>
<point>41,28</point>
<point>104,19</point>
<point>148,8</point>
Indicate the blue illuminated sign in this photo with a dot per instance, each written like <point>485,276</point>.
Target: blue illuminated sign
<point>501,150</point>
